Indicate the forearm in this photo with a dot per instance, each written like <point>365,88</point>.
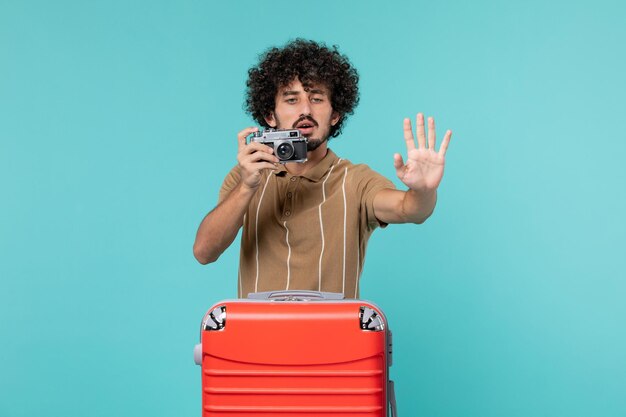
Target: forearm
<point>220,227</point>
<point>418,206</point>
<point>395,206</point>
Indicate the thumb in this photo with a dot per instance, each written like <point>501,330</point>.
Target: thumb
<point>398,164</point>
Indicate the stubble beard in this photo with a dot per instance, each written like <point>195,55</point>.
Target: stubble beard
<point>313,144</point>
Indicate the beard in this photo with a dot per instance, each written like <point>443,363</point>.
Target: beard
<point>313,144</point>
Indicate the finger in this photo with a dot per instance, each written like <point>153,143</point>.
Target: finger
<point>398,164</point>
<point>256,147</point>
<point>445,142</point>
<point>408,135</point>
<point>264,165</point>
<point>421,137</point>
<point>241,136</point>
<point>431,133</point>
<point>258,156</point>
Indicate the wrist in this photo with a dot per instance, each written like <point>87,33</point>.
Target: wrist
<point>245,190</point>
<point>418,205</point>
<point>422,194</point>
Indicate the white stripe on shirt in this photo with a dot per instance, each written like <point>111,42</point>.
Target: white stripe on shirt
<point>256,234</point>
<point>322,227</point>
<point>343,188</point>
<point>358,254</point>
<point>288,254</point>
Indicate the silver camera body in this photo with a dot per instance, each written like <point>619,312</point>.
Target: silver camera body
<point>289,146</point>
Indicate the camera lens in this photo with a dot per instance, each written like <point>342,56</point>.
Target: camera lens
<point>284,151</point>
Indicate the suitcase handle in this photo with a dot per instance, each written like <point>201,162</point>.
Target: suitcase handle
<point>303,295</point>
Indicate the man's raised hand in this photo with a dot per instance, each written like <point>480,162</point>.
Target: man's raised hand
<point>423,170</point>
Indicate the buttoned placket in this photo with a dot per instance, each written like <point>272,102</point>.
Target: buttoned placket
<point>290,196</point>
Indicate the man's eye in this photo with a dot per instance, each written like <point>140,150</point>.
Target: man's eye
<point>316,100</point>
<point>291,100</point>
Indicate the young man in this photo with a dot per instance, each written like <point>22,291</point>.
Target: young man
<point>306,225</point>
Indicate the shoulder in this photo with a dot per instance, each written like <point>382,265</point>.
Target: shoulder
<point>360,178</point>
<point>230,182</point>
<point>357,171</point>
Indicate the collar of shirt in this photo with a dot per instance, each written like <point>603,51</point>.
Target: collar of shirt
<point>317,172</point>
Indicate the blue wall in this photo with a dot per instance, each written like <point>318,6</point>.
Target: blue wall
<point>118,123</point>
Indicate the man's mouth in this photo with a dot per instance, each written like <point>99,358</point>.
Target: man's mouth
<point>305,127</point>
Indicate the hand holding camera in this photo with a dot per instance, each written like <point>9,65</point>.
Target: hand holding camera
<point>289,146</point>
<point>266,149</point>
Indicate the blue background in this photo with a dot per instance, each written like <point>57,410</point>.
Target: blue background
<point>118,122</point>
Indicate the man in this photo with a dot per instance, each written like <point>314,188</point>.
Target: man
<point>306,225</point>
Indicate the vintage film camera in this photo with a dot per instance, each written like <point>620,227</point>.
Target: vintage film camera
<point>289,146</point>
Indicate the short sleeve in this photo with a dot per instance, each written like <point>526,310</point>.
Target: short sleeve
<point>369,184</point>
<point>230,182</point>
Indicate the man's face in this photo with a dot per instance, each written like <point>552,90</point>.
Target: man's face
<point>305,108</point>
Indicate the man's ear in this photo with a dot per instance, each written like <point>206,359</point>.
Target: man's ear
<point>335,118</point>
<point>271,120</point>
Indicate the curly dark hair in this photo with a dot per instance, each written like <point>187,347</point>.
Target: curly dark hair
<point>312,63</point>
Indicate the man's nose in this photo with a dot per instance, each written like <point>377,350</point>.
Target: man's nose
<point>306,107</point>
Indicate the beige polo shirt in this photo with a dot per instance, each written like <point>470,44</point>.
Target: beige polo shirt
<point>308,232</point>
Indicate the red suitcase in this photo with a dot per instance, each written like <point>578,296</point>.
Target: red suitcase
<point>300,353</point>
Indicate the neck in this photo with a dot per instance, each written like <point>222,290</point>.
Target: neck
<point>313,158</point>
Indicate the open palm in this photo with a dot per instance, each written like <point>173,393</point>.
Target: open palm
<point>423,170</point>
